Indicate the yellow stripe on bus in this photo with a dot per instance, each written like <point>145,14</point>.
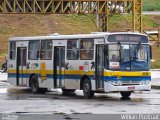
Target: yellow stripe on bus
<point>81,72</point>
<point>120,73</point>
<point>24,71</point>
<point>78,72</point>
<point>71,72</point>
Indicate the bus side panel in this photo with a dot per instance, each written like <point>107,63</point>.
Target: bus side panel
<point>46,74</point>
<point>76,70</point>
<point>72,75</point>
<point>48,83</point>
<point>12,73</point>
<point>43,70</point>
<point>88,70</point>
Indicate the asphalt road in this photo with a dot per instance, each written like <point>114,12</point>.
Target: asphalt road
<point>21,104</point>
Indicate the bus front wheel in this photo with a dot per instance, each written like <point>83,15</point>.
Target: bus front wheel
<point>35,86</point>
<point>125,94</point>
<point>87,91</point>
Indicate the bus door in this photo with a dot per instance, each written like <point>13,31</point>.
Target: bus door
<point>59,66</point>
<point>99,67</point>
<point>21,65</point>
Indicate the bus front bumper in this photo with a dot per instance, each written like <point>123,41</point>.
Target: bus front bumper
<point>112,88</point>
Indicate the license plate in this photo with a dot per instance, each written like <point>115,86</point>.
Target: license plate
<point>131,88</point>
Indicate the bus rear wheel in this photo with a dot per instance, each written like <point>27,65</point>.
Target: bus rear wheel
<point>125,94</point>
<point>87,91</point>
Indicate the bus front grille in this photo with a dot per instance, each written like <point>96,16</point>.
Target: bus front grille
<point>124,83</point>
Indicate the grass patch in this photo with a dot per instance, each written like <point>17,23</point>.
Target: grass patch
<point>148,22</point>
<point>151,5</point>
<point>119,22</point>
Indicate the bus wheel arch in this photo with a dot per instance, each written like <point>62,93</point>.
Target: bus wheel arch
<point>34,84</point>
<point>86,86</point>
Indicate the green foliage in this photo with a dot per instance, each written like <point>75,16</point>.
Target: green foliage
<point>151,5</point>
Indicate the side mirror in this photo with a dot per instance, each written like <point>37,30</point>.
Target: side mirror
<point>150,51</point>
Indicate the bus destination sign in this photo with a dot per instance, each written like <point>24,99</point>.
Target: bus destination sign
<point>127,38</point>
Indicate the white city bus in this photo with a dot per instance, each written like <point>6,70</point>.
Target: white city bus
<point>96,62</point>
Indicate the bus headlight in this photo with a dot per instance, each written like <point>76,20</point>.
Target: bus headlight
<point>117,83</point>
<point>146,82</point>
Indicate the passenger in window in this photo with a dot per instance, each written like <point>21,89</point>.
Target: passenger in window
<point>84,55</point>
<point>75,52</point>
<point>82,45</point>
<point>142,55</point>
<point>114,58</point>
<point>42,55</point>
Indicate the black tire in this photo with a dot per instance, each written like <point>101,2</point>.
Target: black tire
<point>35,86</point>
<point>87,89</point>
<point>68,90</point>
<point>125,94</point>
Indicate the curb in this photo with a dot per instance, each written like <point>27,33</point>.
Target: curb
<point>155,69</point>
<point>155,87</point>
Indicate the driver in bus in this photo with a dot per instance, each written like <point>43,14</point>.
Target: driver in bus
<point>114,58</point>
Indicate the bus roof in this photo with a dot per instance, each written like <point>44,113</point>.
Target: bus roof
<point>75,36</point>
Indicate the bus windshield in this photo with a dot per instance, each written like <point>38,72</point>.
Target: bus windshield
<point>128,57</point>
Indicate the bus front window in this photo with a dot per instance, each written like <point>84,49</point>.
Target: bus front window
<point>128,57</point>
<point>139,57</point>
<point>125,58</point>
<point>114,57</point>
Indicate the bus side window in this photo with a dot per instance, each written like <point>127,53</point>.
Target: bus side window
<point>73,49</point>
<point>33,52</point>
<point>84,55</point>
<point>12,50</point>
<point>142,54</point>
<point>86,51</point>
<point>46,50</point>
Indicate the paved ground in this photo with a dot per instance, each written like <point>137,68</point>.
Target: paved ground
<point>21,100</point>
<point>18,103</point>
<point>155,79</point>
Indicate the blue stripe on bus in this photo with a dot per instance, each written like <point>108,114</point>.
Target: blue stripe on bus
<point>138,78</point>
<point>75,77</point>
